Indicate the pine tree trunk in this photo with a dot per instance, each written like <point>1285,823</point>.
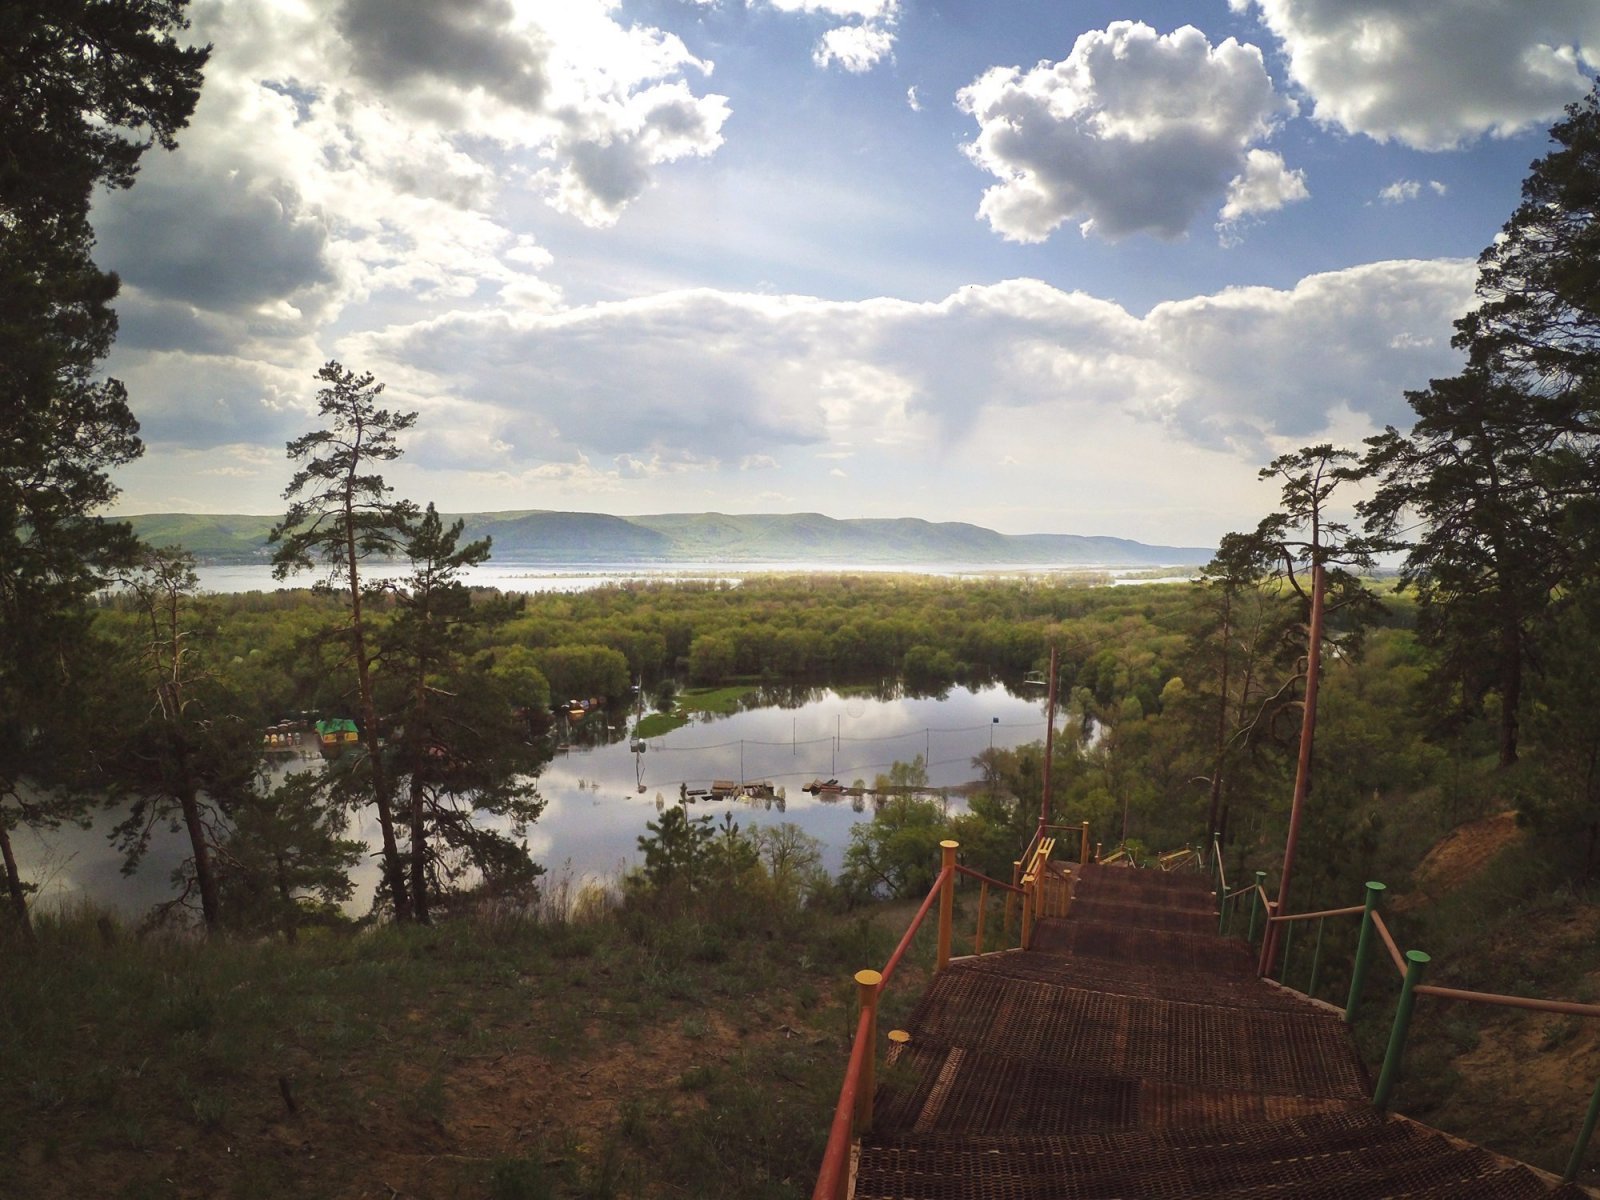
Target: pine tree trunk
<point>291,911</point>
<point>419,851</point>
<point>1222,717</point>
<point>1510,688</point>
<point>210,904</point>
<point>393,867</point>
<point>19,897</point>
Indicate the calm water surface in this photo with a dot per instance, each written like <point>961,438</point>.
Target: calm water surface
<point>577,577</point>
<point>595,810</point>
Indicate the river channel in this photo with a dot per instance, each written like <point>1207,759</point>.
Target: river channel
<point>595,809</point>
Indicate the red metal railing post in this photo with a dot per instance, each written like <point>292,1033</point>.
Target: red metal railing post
<point>983,905</point>
<point>868,984</point>
<point>1049,747</point>
<point>947,900</point>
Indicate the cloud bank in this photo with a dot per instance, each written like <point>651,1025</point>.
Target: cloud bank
<point>703,378</point>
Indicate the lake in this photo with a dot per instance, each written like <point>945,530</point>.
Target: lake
<point>595,811</point>
<point>577,577</point>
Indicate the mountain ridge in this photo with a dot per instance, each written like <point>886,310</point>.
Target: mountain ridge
<point>555,536</point>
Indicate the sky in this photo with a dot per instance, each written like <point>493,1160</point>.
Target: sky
<point>1046,266</point>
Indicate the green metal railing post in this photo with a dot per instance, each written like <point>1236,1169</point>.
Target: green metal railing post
<point>1217,885</point>
<point>1575,1163</point>
<point>1283,966</point>
<point>1358,970</point>
<point>1316,958</point>
<point>1255,904</point>
<point>1416,960</point>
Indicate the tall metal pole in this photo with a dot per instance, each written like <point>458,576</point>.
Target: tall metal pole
<point>1302,773</point>
<point>1049,746</point>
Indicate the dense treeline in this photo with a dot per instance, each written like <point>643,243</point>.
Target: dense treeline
<point>800,628</point>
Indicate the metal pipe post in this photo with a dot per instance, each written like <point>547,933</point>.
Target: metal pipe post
<point>1011,897</point>
<point>1027,911</point>
<point>1575,1163</point>
<point>1416,960</point>
<point>868,985</point>
<point>1358,969</point>
<point>947,899</point>
<point>1316,958</point>
<point>1255,904</point>
<point>983,904</point>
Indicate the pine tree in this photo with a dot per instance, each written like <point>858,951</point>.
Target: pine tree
<point>188,756</point>
<point>286,859</point>
<point>463,748</point>
<point>1539,324</point>
<point>1500,471</point>
<point>76,80</point>
<point>340,515</point>
<point>1474,477</point>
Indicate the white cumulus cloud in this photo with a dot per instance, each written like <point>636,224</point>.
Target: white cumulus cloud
<point>856,48</point>
<point>1265,186</point>
<point>1400,191</point>
<point>1134,131</point>
<point>1433,74</point>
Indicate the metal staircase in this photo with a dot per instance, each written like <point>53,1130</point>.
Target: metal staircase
<point>1132,1052</point>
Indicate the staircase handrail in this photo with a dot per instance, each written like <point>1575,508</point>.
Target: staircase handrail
<point>1176,858</point>
<point>911,930</point>
<point>1569,1008</point>
<point>1410,966</point>
<point>834,1175</point>
<point>1389,944</point>
<point>1327,912</point>
<point>853,1111</point>
<point>970,873</point>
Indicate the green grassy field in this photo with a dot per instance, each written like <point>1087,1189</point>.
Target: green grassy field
<point>615,1053</point>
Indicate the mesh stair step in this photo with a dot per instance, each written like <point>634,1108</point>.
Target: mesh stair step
<point>1294,1053</point>
<point>937,1089</point>
<point>1144,916</point>
<point>1155,947</point>
<point>1350,1157</point>
<point>1187,888</point>
<point>1136,979</point>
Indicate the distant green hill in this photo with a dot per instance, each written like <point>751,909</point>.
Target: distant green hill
<point>572,537</point>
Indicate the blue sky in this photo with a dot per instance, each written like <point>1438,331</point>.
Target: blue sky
<point>1042,266</point>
